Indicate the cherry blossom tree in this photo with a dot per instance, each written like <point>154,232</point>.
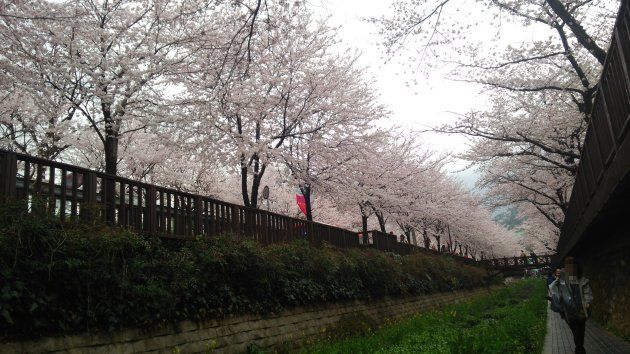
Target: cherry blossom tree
<point>527,141</point>
<point>290,87</point>
<point>314,159</point>
<point>109,61</point>
<point>203,96</point>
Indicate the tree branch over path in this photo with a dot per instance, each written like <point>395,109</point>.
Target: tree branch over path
<point>580,34</point>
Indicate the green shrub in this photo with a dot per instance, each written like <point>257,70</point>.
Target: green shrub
<point>87,277</point>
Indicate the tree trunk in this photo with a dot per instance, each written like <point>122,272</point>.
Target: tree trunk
<point>111,148</point>
<point>364,222</point>
<point>364,227</point>
<point>253,201</point>
<point>427,242</point>
<point>111,163</point>
<point>250,200</point>
<point>450,240</point>
<point>306,192</point>
<point>580,34</point>
<point>381,221</point>
<point>244,184</point>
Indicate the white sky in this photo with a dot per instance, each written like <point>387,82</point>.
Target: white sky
<point>427,103</point>
<point>430,101</point>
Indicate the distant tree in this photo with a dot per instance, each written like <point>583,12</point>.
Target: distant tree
<point>508,217</point>
<point>527,142</point>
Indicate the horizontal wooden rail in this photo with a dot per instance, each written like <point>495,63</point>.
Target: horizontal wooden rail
<point>524,262</point>
<point>71,193</point>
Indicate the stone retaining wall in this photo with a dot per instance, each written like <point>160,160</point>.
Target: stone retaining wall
<point>233,335</point>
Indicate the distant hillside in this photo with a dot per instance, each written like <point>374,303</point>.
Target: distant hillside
<point>508,217</point>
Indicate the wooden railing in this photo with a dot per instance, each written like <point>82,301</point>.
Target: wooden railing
<point>401,245</point>
<point>514,263</point>
<point>605,158</point>
<point>71,193</point>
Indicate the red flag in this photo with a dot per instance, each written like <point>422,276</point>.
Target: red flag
<point>301,202</point>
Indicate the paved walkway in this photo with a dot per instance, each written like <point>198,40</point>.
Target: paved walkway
<point>559,339</point>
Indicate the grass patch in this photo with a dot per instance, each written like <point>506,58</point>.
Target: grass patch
<point>510,320</point>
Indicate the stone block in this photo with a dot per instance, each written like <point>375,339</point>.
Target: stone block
<point>187,326</point>
<point>257,333</point>
<point>192,347</point>
<point>13,348</point>
<point>172,340</point>
<point>222,342</point>
<point>209,324</point>
<point>139,346</point>
<point>270,331</point>
<point>154,343</point>
<point>122,348</point>
<point>257,324</point>
<point>191,336</point>
<point>79,350</point>
<point>45,345</point>
<point>125,336</point>
<point>210,333</point>
<point>238,338</point>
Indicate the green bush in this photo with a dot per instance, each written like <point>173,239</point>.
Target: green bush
<point>78,277</point>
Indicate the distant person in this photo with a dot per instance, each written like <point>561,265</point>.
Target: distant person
<point>534,257</point>
<point>443,249</point>
<point>571,296</point>
<point>554,273</point>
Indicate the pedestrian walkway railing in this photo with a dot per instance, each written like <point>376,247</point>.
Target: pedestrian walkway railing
<point>72,193</point>
<point>405,245</point>
<point>523,262</point>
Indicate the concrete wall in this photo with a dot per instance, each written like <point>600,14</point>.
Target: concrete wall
<point>233,335</point>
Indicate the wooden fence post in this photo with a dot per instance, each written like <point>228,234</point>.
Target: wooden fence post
<point>88,205</point>
<point>265,227</point>
<point>198,215</point>
<point>8,174</point>
<point>109,199</point>
<point>290,232</point>
<point>236,224</point>
<point>151,209</point>
<point>315,238</point>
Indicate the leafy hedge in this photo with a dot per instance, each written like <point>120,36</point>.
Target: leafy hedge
<point>78,277</point>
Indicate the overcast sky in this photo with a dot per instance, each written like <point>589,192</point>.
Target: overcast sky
<point>432,99</point>
<point>427,103</point>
